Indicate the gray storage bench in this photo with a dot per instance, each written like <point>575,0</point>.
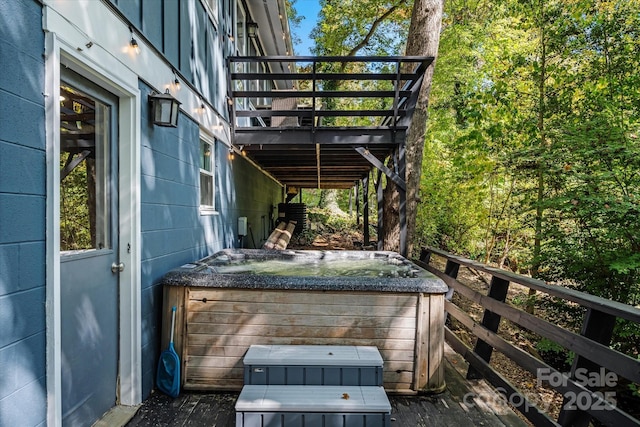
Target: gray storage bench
<point>312,406</point>
<point>313,365</point>
<point>313,386</point>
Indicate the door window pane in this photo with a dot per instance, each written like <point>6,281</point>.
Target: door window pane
<point>84,171</point>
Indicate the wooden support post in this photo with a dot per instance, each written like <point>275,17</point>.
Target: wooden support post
<point>451,269</point>
<point>425,256</point>
<point>380,193</point>
<point>402,167</point>
<point>491,321</point>
<point>597,326</point>
<point>365,209</point>
<point>358,203</point>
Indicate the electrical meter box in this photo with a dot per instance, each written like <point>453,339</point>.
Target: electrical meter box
<point>242,226</point>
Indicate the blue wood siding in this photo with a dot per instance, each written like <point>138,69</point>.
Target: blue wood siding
<point>173,231</point>
<point>188,38</point>
<point>184,31</point>
<point>152,21</point>
<point>132,10</point>
<point>22,214</point>
<point>171,22</point>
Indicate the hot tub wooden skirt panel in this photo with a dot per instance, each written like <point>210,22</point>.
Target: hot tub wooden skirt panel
<point>216,327</point>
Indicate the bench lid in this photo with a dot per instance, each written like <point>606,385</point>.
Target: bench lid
<point>312,355</point>
<point>288,398</point>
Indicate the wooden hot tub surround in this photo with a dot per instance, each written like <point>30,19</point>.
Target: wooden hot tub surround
<point>221,314</point>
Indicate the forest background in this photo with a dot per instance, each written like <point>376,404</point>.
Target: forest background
<point>532,152</point>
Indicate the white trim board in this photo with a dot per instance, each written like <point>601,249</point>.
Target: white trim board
<point>81,23</point>
<point>101,67</point>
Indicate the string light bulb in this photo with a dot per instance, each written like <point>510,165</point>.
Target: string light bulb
<point>133,43</point>
<point>176,82</point>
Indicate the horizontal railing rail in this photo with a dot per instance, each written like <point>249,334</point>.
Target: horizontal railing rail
<point>583,400</point>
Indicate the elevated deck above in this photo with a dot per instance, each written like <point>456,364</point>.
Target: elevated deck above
<point>327,121</point>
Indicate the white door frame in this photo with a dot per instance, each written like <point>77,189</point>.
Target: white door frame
<point>96,64</point>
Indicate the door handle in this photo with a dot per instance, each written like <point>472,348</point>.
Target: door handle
<point>117,267</point>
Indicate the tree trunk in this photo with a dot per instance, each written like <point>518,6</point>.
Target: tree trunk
<point>537,242</point>
<point>423,40</point>
<point>329,201</point>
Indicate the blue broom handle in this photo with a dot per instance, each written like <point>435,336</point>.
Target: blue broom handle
<point>173,321</point>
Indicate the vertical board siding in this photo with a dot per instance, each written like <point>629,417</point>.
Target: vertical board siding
<point>199,32</point>
<point>220,330</point>
<point>186,43</point>
<point>212,60</point>
<point>185,33</point>
<point>170,33</point>
<point>22,214</point>
<point>132,10</point>
<point>152,12</point>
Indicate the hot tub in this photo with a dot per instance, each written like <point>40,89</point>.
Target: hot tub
<point>236,298</point>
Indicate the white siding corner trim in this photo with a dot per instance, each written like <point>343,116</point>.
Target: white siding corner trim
<point>102,67</point>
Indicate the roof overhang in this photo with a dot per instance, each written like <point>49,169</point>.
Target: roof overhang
<point>274,33</point>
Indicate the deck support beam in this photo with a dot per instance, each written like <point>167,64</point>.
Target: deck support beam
<point>398,178</point>
<point>402,166</point>
<point>380,200</point>
<point>358,203</point>
<point>365,210</point>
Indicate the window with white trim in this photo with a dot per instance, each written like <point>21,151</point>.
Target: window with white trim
<point>212,6</point>
<point>207,175</point>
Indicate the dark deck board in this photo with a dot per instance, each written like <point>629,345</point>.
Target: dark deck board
<point>447,409</point>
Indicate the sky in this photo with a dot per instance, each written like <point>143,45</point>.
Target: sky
<point>308,9</point>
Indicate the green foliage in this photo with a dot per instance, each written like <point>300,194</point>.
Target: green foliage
<point>295,20</point>
<point>533,132</point>
<point>635,389</point>
<point>75,229</point>
<point>555,355</point>
<point>532,151</point>
<point>344,25</point>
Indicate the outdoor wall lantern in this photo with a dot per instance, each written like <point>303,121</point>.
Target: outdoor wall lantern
<point>252,29</point>
<point>165,109</point>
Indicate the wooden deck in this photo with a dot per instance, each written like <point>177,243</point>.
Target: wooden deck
<point>450,408</point>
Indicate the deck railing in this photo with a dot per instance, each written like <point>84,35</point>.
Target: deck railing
<point>584,400</point>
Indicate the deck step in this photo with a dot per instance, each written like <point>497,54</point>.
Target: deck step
<point>313,365</point>
<point>312,406</point>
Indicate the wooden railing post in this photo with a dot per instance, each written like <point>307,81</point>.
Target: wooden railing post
<point>596,363</point>
<point>425,255</point>
<point>490,320</point>
<point>597,326</point>
<point>451,270</point>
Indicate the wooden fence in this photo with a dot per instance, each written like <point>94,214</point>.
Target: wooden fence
<point>582,401</point>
